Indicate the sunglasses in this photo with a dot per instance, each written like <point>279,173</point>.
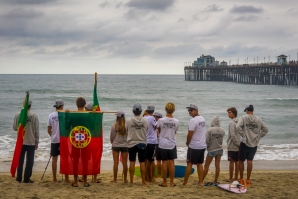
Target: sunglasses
<point>190,110</point>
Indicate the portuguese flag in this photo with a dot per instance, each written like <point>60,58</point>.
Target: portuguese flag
<point>80,142</point>
<point>96,106</point>
<point>21,133</point>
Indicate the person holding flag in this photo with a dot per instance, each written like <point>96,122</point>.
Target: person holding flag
<point>27,125</point>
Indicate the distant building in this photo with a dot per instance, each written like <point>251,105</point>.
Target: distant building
<point>282,59</point>
<point>204,61</point>
<point>223,63</point>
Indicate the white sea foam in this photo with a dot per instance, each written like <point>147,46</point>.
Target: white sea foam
<point>265,152</point>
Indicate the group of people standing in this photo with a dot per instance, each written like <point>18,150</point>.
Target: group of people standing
<point>151,136</point>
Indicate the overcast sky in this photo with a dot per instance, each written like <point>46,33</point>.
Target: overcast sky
<point>141,36</point>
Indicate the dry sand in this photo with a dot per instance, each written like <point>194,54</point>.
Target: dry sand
<point>266,184</point>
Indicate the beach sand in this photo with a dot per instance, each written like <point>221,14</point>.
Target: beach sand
<point>274,183</point>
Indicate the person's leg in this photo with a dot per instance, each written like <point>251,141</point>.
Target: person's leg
<point>67,178</point>
<point>187,172</point>
<point>132,160</point>
<point>171,172</point>
<point>85,181</point>
<point>217,167</point>
<point>29,163</point>
<point>124,164</point>
<point>249,169</point>
<point>236,170</point>
<point>153,171</point>
<point>115,167</point>
<point>148,170</point>
<point>206,166</point>
<point>241,168</point>
<point>131,171</point>
<point>54,168</point>
<point>200,174</point>
<point>231,170</point>
<point>21,163</point>
<point>75,181</point>
<point>164,165</point>
<point>143,172</point>
<point>158,164</point>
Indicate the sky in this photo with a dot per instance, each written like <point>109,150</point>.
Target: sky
<point>141,36</point>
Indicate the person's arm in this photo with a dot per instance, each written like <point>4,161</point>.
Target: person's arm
<point>239,127</point>
<point>234,137</point>
<point>264,129</point>
<point>36,132</point>
<point>113,133</point>
<point>208,138</point>
<point>15,122</point>
<point>50,130</point>
<point>189,137</point>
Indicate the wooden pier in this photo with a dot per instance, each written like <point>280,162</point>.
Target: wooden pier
<point>271,74</point>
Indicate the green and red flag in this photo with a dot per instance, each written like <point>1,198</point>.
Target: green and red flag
<point>20,138</point>
<point>80,142</point>
<point>96,106</point>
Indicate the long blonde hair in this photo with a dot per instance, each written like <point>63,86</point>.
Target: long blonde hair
<point>120,126</point>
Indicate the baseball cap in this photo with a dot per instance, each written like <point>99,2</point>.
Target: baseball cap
<point>137,107</point>
<point>157,114</point>
<point>89,107</point>
<point>29,102</point>
<point>150,108</point>
<point>58,103</point>
<point>120,113</point>
<point>193,106</point>
<point>249,107</point>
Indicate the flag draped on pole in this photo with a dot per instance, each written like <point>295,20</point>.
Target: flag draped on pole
<point>20,138</point>
<point>80,142</point>
<point>96,106</point>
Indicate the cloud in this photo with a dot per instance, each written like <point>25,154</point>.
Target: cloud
<point>22,13</point>
<point>31,1</point>
<point>104,4</point>
<point>151,4</point>
<point>246,9</point>
<point>246,18</point>
<point>213,8</point>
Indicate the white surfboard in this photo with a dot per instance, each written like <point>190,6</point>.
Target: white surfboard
<point>231,188</point>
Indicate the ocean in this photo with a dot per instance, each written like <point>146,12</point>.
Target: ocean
<point>276,105</point>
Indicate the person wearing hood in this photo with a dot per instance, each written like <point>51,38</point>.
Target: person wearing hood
<point>136,128</point>
<point>233,144</point>
<point>251,128</point>
<point>214,139</point>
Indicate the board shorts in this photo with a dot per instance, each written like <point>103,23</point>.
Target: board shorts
<point>157,153</point>
<point>247,153</point>
<point>133,151</point>
<point>215,153</point>
<point>120,149</point>
<point>150,152</point>
<point>233,156</point>
<point>55,149</point>
<point>168,154</point>
<point>195,156</point>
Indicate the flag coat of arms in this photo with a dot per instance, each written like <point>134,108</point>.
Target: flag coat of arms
<point>20,138</point>
<point>80,142</point>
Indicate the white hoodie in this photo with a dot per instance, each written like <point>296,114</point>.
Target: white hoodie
<point>252,129</point>
<point>214,135</point>
<point>136,128</point>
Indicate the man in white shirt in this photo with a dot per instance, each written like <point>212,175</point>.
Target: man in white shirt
<point>196,142</point>
<point>54,132</point>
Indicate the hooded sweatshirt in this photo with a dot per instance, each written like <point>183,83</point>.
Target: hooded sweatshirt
<point>32,128</point>
<point>251,128</point>
<point>116,139</point>
<point>136,128</point>
<point>233,141</point>
<point>214,135</point>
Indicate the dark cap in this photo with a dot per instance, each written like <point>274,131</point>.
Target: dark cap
<point>249,107</point>
<point>137,107</point>
<point>58,103</point>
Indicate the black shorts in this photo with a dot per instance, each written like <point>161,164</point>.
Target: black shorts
<point>55,149</point>
<point>195,156</point>
<point>150,152</point>
<point>168,154</point>
<point>133,154</point>
<point>120,149</point>
<point>233,156</point>
<point>157,153</point>
<point>246,152</point>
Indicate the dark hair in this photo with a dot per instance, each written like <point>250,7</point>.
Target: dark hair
<point>233,110</point>
<point>81,102</point>
<point>150,111</point>
<point>137,112</point>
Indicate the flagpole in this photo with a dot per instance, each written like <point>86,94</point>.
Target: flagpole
<point>75,111</point>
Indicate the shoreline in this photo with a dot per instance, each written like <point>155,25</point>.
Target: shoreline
<point>107,165</point>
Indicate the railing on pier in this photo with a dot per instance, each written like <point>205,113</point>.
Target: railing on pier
<point>263,73</point>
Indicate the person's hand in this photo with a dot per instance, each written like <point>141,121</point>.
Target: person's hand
<point>36,146</point>
<point>67,111</point>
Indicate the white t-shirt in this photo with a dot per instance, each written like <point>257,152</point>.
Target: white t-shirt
<point>168,128</point>
<point>53,122</point>
<point>198,140</point>
<point>151,132</point>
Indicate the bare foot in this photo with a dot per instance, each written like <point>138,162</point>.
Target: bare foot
<point>113,181</point>
<point>67,182</point>
<point>54,180</point>
<point>125,181</point>
<point>144,184</point>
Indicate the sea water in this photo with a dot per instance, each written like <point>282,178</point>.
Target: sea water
<point>275,105</point>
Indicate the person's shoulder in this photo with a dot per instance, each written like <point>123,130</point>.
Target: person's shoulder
<point>53,114</point>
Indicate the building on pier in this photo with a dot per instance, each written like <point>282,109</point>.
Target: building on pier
<point>204,61</point>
